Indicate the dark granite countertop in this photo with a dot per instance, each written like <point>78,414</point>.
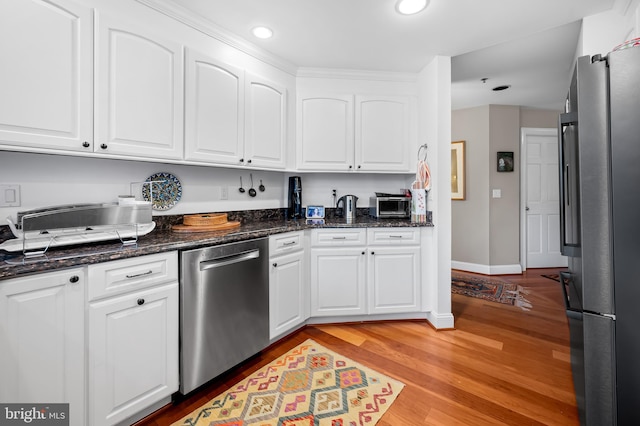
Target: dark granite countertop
<point>162,239</point>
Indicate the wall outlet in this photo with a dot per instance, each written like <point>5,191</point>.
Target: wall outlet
<point>497,193</point>
<point>9,195</point>
<point>224,193</point>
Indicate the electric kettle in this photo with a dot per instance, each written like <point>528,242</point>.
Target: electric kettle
<point>348,209</point>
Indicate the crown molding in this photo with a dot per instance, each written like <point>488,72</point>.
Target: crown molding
<point>188,18</point>
<point>347,74</point>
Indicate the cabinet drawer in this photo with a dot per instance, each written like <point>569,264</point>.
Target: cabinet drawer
<point>393,236</point>
<point>285,243</point>
<point>121,276</point>
<point>338,237</point>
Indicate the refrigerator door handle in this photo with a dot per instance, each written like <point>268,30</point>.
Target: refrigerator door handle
<point>564,120</point>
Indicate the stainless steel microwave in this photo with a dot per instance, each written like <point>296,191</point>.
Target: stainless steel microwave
<point>393,206</point>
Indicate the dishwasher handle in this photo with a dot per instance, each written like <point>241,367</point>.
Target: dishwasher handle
<point>229,260</point>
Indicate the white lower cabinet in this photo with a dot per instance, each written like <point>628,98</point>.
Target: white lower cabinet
<point>288,298</point>
<point>42,340</point>
<point>394,279</point>
<point>133,337</point>
<point>338,281</point>
<point>360,271</point>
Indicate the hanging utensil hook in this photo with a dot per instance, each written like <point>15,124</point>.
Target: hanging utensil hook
<point>423,146</point>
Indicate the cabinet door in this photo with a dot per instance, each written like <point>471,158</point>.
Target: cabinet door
<point>325,132</point>
<point>214,110</point>
<point>382,133</point>
<point>394,279</point>
<point>133,353</point>
<point>338,281</point>
<point>46,78</point>
<point>42,340</point>
<point>286,293</point>
<point>139,84</point>
<point>265,126</point>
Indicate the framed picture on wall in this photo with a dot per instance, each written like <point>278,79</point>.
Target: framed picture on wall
<point>505,161</point>
<point>457,170</point>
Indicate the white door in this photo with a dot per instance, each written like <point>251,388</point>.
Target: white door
<point>540,200</point>
<point>338,281</point>
<point>286,293</point>
<point>214,110</point>
<point>46,80</point>
<point>42,340</point>
<point>382,133</point>
<point>140,88</point>
<point>133,353</point>
<point>265,135</point>
<point>325,132</point>
<point>394,279</point>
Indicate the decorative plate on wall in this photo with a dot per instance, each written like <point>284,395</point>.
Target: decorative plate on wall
<point>164,192</point>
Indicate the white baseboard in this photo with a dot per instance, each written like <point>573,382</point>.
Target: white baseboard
<point>486,269</point>
<point>440,321</point>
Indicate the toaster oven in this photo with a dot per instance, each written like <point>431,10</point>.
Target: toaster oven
<point>390,206</point>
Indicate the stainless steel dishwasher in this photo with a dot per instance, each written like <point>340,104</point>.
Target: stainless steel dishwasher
<point>224,309</point>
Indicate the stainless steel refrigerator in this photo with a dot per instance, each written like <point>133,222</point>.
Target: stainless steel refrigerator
<point>599,141</point>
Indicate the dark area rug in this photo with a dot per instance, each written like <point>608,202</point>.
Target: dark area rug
<point>489,288</point>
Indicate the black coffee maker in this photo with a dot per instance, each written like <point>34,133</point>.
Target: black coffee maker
<point>295,197</point>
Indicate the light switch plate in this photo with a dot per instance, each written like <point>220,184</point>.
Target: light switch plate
<point>9,195</point>
<point>497,193</point>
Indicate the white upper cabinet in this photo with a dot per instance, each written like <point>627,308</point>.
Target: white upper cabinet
<point>382,133</point>
<point>368,133</point>
<point>232,116</point>
<point>139,86</point>
<point>265,123</point>
<point>325,132</point>
<point>46,75</point>
<point>214,110</point>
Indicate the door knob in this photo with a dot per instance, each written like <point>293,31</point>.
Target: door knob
<point>526,208</point>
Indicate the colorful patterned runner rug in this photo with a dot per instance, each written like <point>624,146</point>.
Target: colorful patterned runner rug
<point>309,385</point>
<point>489,288</point>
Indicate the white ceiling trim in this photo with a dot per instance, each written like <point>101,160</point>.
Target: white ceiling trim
<point>187,17</point>
<point>343,74</point>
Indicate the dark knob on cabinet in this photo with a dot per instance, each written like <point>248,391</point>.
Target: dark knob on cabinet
<point>359,166</point>
<point>275,265</point>
<point>249,161</point>
<point>103,146</point>
<point>86,144</point>
<point>74,279</point>
<point>362,252</point>
<point>350,166</point>
<point>242,160</point>
<point>140,301</point>
<point>373,252</point>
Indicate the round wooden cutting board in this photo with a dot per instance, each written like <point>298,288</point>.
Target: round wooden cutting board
<point>205,223</point>
<point>205,228</point>
<point>206,219</point>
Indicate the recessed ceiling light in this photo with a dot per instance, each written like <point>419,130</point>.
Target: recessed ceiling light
<point>500,88</point>
<point>410,7</point>
<point>262,32</point>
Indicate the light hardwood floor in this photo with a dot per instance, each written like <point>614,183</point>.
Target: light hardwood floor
<point>500,366</point>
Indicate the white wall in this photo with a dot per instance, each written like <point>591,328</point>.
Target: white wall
<point>601,33</point>
<point>48,180</point>
<point>435,129</point>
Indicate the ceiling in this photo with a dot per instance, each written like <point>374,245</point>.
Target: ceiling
<point>528,44</point>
